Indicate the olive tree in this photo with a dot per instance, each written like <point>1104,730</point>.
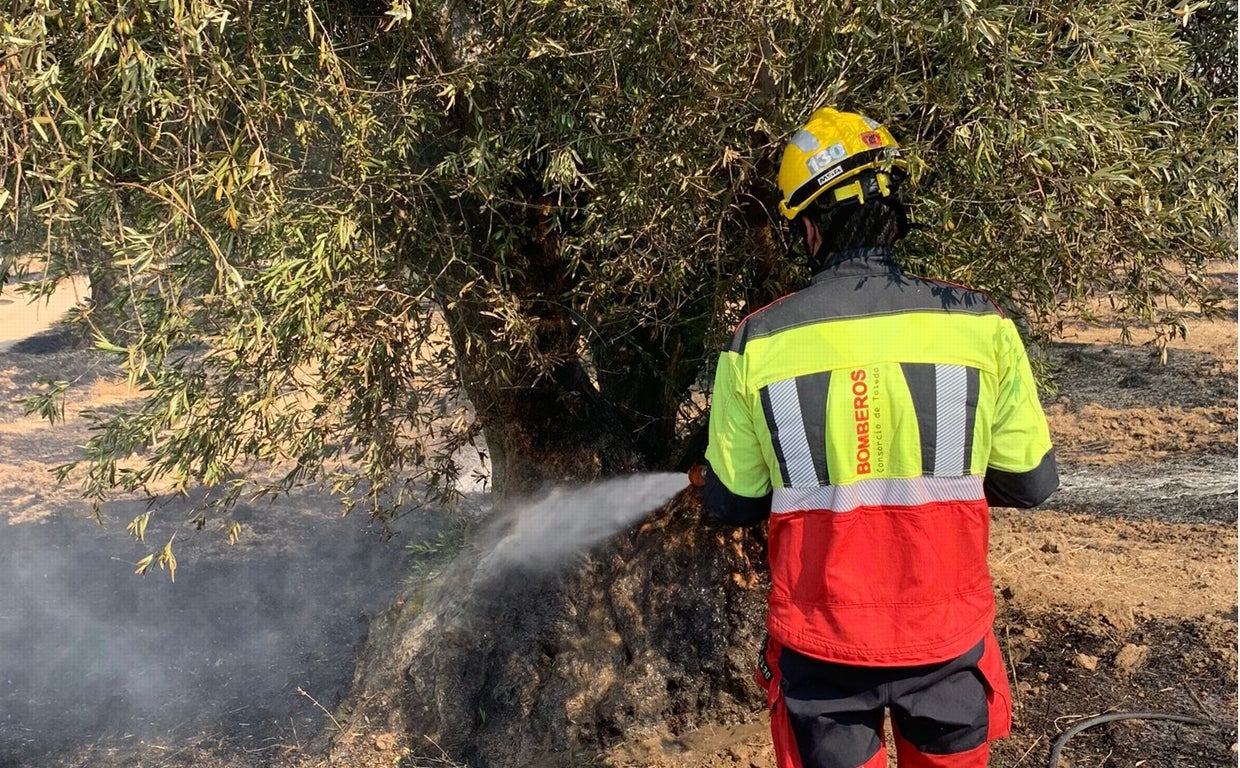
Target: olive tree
<point>355,237</point>
<point>334,219</point>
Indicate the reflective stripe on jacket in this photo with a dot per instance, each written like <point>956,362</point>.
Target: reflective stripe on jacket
<point>876,408</point>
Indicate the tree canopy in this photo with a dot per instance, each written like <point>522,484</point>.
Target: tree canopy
<point>352,236</point>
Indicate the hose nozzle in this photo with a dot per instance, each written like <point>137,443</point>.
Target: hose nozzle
<point>697,475</point>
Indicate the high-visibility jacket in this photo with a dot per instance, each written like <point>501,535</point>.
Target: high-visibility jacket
<point>877,412</point>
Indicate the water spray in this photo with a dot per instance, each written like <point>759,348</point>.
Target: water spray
<point>544,533</point>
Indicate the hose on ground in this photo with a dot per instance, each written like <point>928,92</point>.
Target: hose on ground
<point>1111,716</point>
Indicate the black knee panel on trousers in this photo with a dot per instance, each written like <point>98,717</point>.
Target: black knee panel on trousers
<point>836,710</point>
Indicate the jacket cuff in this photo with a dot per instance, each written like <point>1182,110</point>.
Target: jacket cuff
<point>729,508</point>
<point>1022,489</point>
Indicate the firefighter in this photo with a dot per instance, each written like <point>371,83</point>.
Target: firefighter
<point>873,418</point>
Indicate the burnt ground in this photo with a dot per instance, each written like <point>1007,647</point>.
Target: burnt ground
<point>1118,595</point>
<point>242,658</point>
<point>1069,665</point>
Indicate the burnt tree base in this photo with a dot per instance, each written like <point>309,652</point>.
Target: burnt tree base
<point>660,627</point>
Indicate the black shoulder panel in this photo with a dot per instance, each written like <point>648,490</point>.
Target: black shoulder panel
<point>854,296</point>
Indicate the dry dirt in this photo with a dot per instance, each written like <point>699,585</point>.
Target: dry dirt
<point>1119,594</point>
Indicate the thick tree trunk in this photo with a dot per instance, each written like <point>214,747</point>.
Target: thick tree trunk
<point>109,311</point>
<point>105,289</point>
<point>660,628</point>
<point>558,430</point>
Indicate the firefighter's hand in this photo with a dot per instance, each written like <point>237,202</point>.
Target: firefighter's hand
<point>697,475</point>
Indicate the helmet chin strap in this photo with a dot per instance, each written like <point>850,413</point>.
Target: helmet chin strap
<point>811,243</point>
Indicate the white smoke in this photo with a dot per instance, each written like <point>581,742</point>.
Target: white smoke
<point>89,651</point>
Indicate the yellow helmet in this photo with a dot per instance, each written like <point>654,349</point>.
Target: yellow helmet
<point>829,155</point>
